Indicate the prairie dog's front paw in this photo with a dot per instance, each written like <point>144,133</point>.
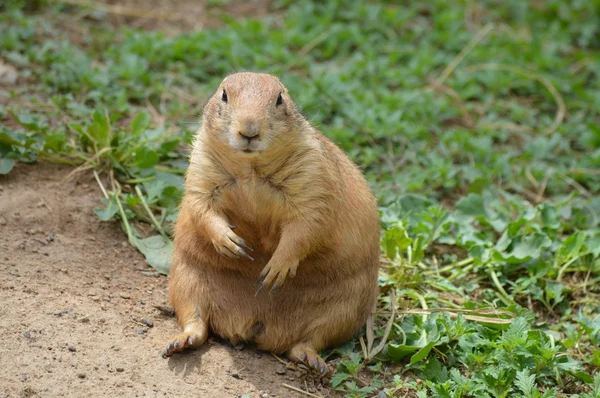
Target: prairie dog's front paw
<point>227,243</point>
<point>275,273</point>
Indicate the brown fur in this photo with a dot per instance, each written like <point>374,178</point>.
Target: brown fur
<point>299,202</point>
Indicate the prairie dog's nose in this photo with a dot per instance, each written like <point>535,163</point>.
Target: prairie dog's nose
<point>249,129</point>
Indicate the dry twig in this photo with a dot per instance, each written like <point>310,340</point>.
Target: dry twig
<point>300,391</point>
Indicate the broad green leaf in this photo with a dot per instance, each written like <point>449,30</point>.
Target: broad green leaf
<point>100,129</point>
<point>55,142</point>
<point>6,165</point>
<point>158,251</point>
<point>414,203</point>
<point>523,248</point>
<point>338,379</point>
<point>422,353</point>
<point>140,123</point>
<point>592,245</point>
<point>550,216</point>
<point>170,180</point>
<point>109,211</point>
<point>145,158</point>
<point>554,291</point>
<point>154,190</point>
<point>399,351</point>
<point>10,137</point>
<point>395,240</point>
<point>583,376</point>
<point>471,206</point>
<point>29,121</point>
<point>571,246</point>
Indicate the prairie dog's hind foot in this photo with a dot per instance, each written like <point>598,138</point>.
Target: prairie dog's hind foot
<point>306,354</point>
<point>193,336</point>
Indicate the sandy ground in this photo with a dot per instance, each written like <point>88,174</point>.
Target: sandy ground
<point>171,17</point>
<point>77,303</point>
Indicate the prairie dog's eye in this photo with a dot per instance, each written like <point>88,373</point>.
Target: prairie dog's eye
<point>279,100</point>
<point>224,97</point>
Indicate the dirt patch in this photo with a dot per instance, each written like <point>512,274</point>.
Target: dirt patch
<point>77,314</point>
<point>168,16</point>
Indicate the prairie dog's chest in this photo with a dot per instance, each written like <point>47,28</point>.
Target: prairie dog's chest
<point>257,200</point>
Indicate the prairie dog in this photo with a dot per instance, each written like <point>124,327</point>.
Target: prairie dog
<point>277,240</point>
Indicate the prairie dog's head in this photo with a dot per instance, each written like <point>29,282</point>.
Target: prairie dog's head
<point>249,112</point>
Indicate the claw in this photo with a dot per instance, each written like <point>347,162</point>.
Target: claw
<point>323,369</point>
<point>241,242</point>
<point>274,287</point>
<point>168,351</point>
<point>261,287</point>
<point>243,253</point>
<point>264,273</point>
<point>232,253</point>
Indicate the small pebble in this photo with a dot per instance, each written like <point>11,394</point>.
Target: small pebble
<point>120,369</point>
<point>148,322</point>
<point>41,240</point>
<point>72,348</point>
<point>50,236</point>
<point>236,375</point>
<point>85,319</point>
<point>2,221</point>
<point>281,369</point>
<point>27,334</point>
<point>141,332</point>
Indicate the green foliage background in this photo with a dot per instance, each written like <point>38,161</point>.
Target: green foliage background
<point>476,123</point>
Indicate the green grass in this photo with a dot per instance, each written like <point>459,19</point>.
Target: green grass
<point>476,122</point>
